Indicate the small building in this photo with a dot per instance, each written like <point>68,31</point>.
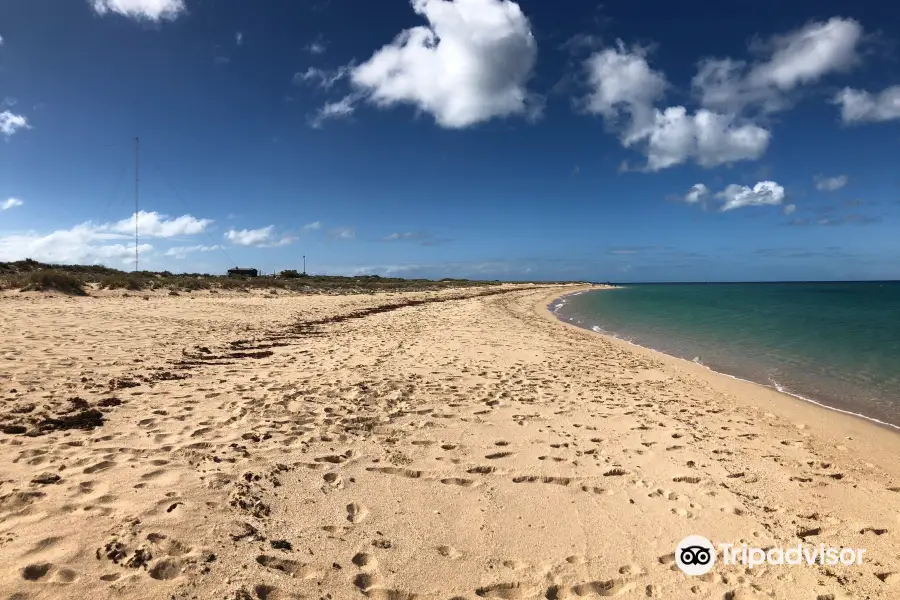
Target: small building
<point>239,272</point>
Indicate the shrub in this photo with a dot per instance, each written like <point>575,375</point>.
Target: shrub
<point>51,281</point>
<point>127,282</point>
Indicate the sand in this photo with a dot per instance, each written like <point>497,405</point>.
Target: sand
<point>256,446</point>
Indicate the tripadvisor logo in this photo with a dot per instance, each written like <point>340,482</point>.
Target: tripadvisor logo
<point>696,555</point>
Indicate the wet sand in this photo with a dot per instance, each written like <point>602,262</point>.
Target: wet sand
<point>398,446</point>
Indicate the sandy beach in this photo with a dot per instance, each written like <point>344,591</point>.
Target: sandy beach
<point>432,445</point>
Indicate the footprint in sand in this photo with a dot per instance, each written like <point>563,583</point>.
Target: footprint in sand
<point>286,566</point>
<point>661,493</point>
<point>365,561</point>
<point>165,568</point>
<point>460,482</point>
<point>356,513</point>
<point>99,467</point>
<point>596,490</point>
<point>48,572</point>
<point>409,473</point>
<point>449,552</point>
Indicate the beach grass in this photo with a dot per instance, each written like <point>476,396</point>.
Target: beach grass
<point>30,275</point>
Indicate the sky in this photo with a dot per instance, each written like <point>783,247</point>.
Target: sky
<point>618,141</point>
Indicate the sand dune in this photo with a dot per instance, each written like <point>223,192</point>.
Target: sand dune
<point>460,444</point>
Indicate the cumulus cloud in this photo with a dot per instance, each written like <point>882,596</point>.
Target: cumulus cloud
<point>860,106</point>
<point>697,193</point>
<point>788,61</point>
<point>830,184</point>
<point>11,123</point>
<point>623,84</point>
<point>150,10</point>
<point>808,53</point>
<point>708,138</point>
<point>154,224</point>
<point>470,64</point>
<point>261,238</point>
<point>10,203</point>
<point>82,244</point>
<point>342,233</point>
<point>94,243</point>
<point>624,89</point>
<point>764,193</point>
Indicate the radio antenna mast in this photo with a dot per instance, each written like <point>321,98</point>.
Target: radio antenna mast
<point>137,171</point>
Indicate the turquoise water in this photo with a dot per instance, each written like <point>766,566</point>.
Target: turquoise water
<point>834,343</point>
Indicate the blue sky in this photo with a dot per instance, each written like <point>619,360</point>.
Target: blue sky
<point>623,141</point>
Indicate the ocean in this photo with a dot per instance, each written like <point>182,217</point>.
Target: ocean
<point>837,344</point>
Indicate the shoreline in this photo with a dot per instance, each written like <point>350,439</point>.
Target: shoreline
<point>551,303</point>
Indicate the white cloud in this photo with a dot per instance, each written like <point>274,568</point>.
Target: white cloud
<point>317,47</point>
<point>153,224</point>
<point>314,226</point>
<point>151,10</point>
<point>722,84</point>
<point>262,238</point>
<point>624,89</point>
<point>11,123</point>
<point>341,109</point>
<point>802,56</point>
<point>470,64</point>
<point>326,79</point>
<point>762,194</point>
<point>622,81</point>
<point>808,53</point>
<point>80,244</point>
<point>92,243</point>
<point>239,38</point>
<point>860,106</point>
<point>708,138</point>
<point>697,193</point>
<point>1,40</point>
<point>830,184</point>
<point>789,209</point>
<point>181,252</point>
<point>342,233</point>
<point>10,203</point>
<point>422,238</point>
